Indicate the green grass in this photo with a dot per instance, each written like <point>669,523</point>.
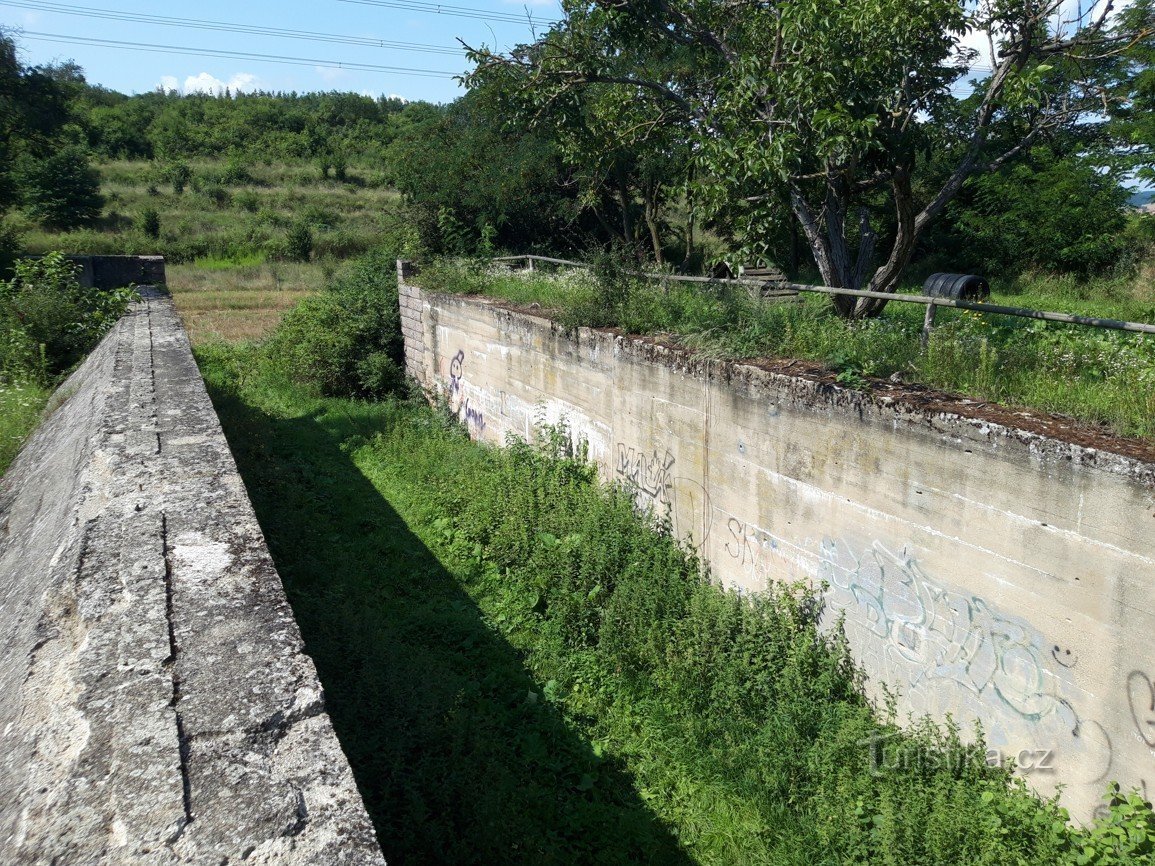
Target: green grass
<point>20,408</point>
<point>230,263</point>
<point>1098,377</point>
<point>242,224</point>
<point>522,669</point>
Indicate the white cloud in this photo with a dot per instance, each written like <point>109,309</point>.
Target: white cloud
<point>330,74</point>
<point>208,83</point>
<point>1066,20</point>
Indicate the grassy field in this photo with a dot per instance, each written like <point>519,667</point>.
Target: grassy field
<point>219,217</point>
<point>1102,378</point>
<point>20,408</point>
<point>239,302</point>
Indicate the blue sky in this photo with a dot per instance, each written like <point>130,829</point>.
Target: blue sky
<point>138,71</point>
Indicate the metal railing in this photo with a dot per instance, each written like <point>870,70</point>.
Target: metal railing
<point>932,304</point>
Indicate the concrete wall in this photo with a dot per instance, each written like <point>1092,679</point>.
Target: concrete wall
<point>115,272</point>
<point>983,571</point>
<point>156,705</point>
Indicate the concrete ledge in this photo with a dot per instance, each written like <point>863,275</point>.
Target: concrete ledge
<point>114,272</point>
<point>156,704</point>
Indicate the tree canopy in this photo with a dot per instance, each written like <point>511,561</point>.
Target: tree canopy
<point>842,115</point>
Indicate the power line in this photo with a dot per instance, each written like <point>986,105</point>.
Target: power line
<point>456,11</point>
<point>233,55</point>
<point>222,26</point>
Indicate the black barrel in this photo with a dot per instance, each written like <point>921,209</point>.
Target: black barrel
<point>960,287</point>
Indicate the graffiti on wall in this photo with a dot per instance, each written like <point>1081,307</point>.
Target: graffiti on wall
<point>462,405</point>
<point>947,648</point>
<point>456,373</point>
<point>648,474</point>
<point>1141,697</point>
<point>748,543</point>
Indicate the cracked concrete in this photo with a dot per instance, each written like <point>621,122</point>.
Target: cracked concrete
<point>156,703</point>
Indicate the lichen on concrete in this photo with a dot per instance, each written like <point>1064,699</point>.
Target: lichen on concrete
<point>156,703</point>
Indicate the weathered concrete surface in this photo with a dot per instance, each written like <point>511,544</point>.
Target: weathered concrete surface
<point>114,272</point>
<point>984,571</point>
<point>156,705</point>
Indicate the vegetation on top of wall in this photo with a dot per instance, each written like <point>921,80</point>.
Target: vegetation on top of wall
<point>522,668</point>
<point>1096,376</point>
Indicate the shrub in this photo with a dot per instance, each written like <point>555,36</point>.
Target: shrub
<point>61,191</point>
<point>52,312</point>
<point>9,248</point>
<point>247,200</point>
<point>179,175</point>
<point>236,173</point>
<point>150,222</point>
<point>346,341</point>
<point>299,242</point>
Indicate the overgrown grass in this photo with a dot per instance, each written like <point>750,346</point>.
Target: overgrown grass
<point>20,407</point>
<point>1095,376</point>
<point>221,222</point>
<point>522,669</point>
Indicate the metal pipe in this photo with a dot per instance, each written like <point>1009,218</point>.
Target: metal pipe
<point>1022,312</point>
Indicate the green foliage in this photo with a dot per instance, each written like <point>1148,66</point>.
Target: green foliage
<point>299,242</point>
<point>178,174</point>
<point>524,668</point>
<point>236,172</point>
<point>1047,212</point>
<point>346,341</point>
<point>150,222</point>
<point>61,190</point>
<point>460,170</point>
<point>48,321</point>
<point>1125,835</point>
<point>10,246</point>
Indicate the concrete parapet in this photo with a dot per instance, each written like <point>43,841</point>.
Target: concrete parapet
<point>156,703</point>
<point>114,272</point>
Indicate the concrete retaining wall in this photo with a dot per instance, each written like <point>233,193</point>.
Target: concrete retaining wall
<point>983,571</point>
<point>156,704</point>
<point>115,272</point>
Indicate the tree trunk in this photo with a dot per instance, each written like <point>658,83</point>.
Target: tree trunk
<point>624,202</point>
<point>652,191</point>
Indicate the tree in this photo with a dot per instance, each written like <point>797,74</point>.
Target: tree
<point>62,190</point>
<point>624,155</point>
<point>1054,210</point>
<point>461,171</point>
<point>828,108</point>
<point>38,166</point>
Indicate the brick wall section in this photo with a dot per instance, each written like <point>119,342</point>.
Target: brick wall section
<point>409,297</point>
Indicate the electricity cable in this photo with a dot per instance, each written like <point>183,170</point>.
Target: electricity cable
<point>234,55</point>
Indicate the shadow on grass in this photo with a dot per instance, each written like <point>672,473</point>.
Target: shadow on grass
<point>457,755</point>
